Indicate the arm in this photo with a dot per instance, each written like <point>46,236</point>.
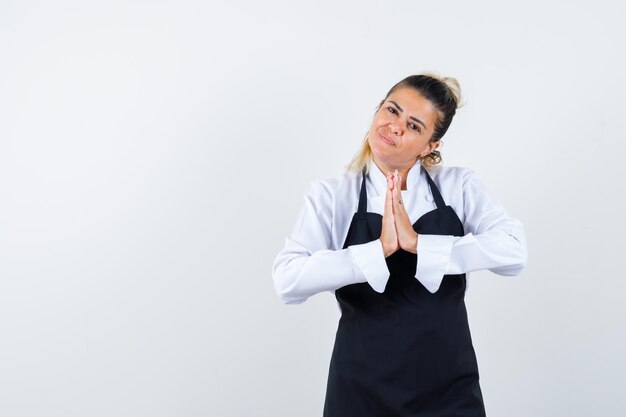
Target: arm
<point>307,265</point>
<point>493,240</point>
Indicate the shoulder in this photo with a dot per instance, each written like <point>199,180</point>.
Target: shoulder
<point>325,191</point>
<point>332,186</point>
<point>455,185</point>
<point>450,176</point>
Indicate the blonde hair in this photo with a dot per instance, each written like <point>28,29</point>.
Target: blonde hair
<point>445,95</point>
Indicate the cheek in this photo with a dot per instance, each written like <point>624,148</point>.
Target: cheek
<point>375,126</point>
<point>416,145</point>
<point>380,117</point>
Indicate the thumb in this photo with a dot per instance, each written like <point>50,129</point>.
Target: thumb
<point>389,195</point>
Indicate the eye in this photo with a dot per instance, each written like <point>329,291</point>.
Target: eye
<point>413,125</point>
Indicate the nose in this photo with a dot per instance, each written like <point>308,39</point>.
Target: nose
<point>394,128</point>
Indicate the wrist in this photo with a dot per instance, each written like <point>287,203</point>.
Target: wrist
<point>412,244</point>
<point>386,250</point>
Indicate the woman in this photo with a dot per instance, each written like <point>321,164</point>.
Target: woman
<point>394,238</point>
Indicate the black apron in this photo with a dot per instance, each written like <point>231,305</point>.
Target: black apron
<point>406,351</point>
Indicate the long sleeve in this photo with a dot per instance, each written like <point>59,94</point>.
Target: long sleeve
<point>493,240</point>
<point>307,265</point>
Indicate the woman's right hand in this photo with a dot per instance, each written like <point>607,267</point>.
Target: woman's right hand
<point>389,236</point>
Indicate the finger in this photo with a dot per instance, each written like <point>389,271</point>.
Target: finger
<point>397,194</point>
<point>401,215</point>
<point>389,236</point>
<point>389,223</point>
<point>389,198</point>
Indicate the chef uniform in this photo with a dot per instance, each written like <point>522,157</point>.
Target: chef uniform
<point>403,346</point>
<point>406,351</point>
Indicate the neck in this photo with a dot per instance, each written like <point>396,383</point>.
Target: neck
<point>402,170</point>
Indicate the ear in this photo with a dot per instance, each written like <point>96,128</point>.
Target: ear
<point>430,147</point>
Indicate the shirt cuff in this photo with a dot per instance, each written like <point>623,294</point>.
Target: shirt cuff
<point>433,255</point>
<point>369,259</point>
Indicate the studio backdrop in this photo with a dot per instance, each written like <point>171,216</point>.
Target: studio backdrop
<point>154,156</point>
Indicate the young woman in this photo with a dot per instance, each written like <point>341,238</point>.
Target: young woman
<point>394,238</point>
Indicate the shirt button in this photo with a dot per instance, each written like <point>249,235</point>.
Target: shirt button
<point>428,197</point>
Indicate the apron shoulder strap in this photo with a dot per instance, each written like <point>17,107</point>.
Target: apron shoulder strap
<point>435,191</point>
<point>363,197</point>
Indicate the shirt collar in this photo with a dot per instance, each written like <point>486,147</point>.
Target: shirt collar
<point>379,180</point>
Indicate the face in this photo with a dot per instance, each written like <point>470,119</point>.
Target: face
<point>401,129</point>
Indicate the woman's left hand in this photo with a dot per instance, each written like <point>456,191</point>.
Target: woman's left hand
<point>407,237</point>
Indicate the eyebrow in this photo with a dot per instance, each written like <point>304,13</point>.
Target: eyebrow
<point>410,117</point>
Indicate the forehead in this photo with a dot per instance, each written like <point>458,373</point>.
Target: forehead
<point>414,104</point>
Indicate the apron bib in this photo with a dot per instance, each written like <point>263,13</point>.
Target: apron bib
<point>406,351</point>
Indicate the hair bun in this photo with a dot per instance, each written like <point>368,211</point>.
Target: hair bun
<point>454,88</point>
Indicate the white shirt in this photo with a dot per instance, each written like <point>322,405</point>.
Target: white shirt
<point>313,260</point>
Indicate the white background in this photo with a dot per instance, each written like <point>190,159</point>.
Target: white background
<point>153,157</point>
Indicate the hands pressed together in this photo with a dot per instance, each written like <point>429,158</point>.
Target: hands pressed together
<point>397,230</point>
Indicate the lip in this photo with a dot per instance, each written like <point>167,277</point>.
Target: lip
<point>388,141</point>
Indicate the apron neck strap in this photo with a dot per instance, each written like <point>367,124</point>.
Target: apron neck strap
<point>433,189</point>
<point>363,197</point>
